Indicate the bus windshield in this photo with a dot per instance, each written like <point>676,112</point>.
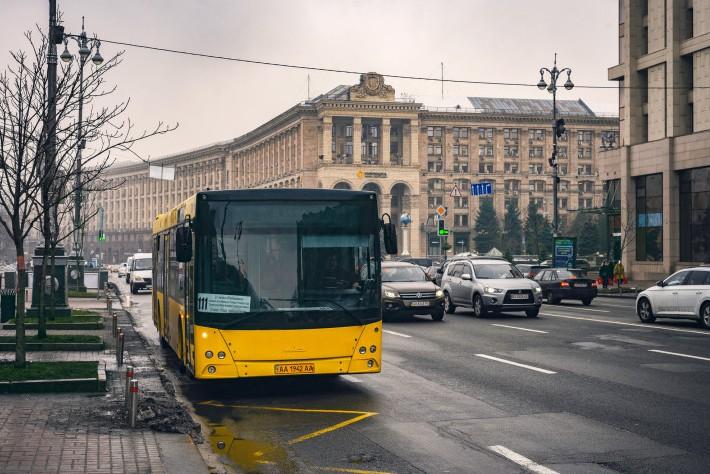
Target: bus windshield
<point>276,265</point>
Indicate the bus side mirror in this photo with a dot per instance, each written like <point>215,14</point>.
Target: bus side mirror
<point>183,244</point>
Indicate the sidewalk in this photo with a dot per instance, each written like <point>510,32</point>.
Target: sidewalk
<point>88,433</point>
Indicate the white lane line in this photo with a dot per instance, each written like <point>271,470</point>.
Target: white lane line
<point>679,354</point>
<point>585,309</point>
<point>350,378</point>
<point>519,459</point>
<point>396,333</point>
<point>515,327</point>
<point>645,326</point>
<point>517,364</point>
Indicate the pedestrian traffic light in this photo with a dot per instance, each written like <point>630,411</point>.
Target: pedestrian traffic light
<point>102,236</point>
<point>442,228</point>
<point>560,127</point>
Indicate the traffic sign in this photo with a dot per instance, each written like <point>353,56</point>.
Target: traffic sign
<point>441,210</point>
<point>455,192</point>
<point>481,189</point>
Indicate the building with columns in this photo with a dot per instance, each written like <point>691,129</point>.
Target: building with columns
<point>659,178</point>
<point>364,137</point>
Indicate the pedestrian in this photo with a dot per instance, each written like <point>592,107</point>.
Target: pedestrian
<point>619,274</point>
<point>604,273</point>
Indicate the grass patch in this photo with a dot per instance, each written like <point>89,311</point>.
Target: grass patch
<point>58,338</point>
<point>48,370</point>
<point>83,312</point>
<point>63,320</point>
<point>81,294</point>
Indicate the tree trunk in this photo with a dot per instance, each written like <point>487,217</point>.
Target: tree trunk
<point>20,360</point>
<point>42,316</point>
<point>53,288</point>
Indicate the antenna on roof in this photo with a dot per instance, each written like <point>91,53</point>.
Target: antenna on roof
<point>442,80</point>
<point>308,86</point>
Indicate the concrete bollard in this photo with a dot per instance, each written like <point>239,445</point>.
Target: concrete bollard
<point>133,403</point>
<point>129,377</point>
<point>109,303</point>
<point>119,348</point>
<point>114,324</point>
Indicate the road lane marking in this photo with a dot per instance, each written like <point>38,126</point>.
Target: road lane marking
<point>521,460</point>
<point>522,329</point>
<point>517,364</point>
<point>361,415</point>
<point>396,333</point>
<point>646,326</point>
<point>350,378</point>
<point>348,470</point>
<point>585,309</point>
<point>680,355</point>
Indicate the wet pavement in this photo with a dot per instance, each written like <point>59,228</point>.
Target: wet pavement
<point>579,389</point>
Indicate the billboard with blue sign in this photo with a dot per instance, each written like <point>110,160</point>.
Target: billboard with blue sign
<point>564,252</point>
<point>481,189</point>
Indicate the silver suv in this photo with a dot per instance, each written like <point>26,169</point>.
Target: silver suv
<point>489,285</point>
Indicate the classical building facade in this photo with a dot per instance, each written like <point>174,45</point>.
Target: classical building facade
<point>659,179</point>
<point>411,155</point>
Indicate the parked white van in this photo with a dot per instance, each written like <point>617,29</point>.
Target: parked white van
<point>141,272</point>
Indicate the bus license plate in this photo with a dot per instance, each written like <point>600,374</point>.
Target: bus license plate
<point>419,303</point>
<point>518,297</point>
<point>295,369</point>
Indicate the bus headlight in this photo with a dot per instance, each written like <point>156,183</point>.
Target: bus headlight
<point>221,355</point>
<point>362,349</point>
<point>211,369</point>
<point>373,348</point>
<point>209,354</point>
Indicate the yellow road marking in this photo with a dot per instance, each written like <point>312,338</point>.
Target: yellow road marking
<point>349,471</point>
<point>361,415</point>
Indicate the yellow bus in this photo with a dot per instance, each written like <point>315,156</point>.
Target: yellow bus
<point>255,283</point>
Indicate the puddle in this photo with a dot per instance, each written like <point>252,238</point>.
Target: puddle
<point>248,455</point>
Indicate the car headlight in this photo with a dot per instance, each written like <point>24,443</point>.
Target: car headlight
<point>439,294</point>
<point>138,278</point>
<point>538,289</point>
<point>491,290</point>
<point>391,294</point>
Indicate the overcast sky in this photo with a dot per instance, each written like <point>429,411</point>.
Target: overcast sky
<point>212,100</point>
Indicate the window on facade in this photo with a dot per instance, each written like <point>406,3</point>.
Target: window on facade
<point>460,220</point>
<point>585,203</point>
<point>435,165</point>
<point>562,203</point>
<point>584,153</point>
<point>485,150</point>
<point>535,152</point>
<point>485,134</point>
<point>460,150</point>
<point>537,134</point>
<point>348,130</point>
<point>564,186</point>
<point>435,185</point>
<point>538,201</point>
<point>348,149</point>
<point>562,152</point>
<point>461,202</point>
<point>373,131</point>
<point>695,215</point>
<point>373,150</point>
<point>563,137</point>
<point>460,132</point>
<point>585,136</point>
<point>461,166</point>
<point>435,201</point>
<point>511,187</point>
<point>584,170</point>
<point>535,168</point>
<point>586,186</point>
<point>485,167</point>
<point>510,151</point>
<point>511,168</point>
<point>511,133</point>
<point>434,132</point>
<point>649,217</point>
<point>434,150</point>
<point>536,186</point>
<point>562,170</point>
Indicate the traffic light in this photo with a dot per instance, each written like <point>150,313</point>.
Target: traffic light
<point>442,228</point>
<point>102,236</point>
<point>560,127</point>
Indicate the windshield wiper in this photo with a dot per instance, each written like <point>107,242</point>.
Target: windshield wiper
<point>345,310</point>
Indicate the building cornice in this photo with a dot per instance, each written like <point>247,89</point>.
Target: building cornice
<point>515,118</point>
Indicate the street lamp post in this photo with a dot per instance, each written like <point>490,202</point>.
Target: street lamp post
<point>86,46</point>
<point>557,130</point>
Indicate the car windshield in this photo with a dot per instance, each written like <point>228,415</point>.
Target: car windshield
<point>524,268</point>
<point>569,274</point>
<point>403,274</point>
<point>143,264</point>
<point>493,271</point>
<point>271,265</point>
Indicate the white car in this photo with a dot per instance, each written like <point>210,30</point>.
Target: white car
<point>683,295</point>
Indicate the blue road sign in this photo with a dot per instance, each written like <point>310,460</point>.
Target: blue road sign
<point>481,189</point>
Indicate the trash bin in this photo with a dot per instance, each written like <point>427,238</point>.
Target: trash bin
<point>103,279</point>
<point>7,305</point>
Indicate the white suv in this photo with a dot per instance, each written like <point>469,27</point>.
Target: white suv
<point>684,295</point>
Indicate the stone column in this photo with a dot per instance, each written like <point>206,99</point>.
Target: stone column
<point>415,230</point>
<point>327,141</point>
<point>671,212</point>
<point>357,140</point>
<point>414,142</point>
<point>385,141</point>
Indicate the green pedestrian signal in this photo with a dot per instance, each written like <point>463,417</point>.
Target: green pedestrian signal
<point>102,236</point>
<point>442,228</point>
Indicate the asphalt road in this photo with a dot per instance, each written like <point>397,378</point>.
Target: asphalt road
<point>579,389</point>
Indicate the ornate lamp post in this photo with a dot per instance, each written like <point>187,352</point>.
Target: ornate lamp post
<point>405,219</point>
<point>558,129</point>
<point>86,46</point>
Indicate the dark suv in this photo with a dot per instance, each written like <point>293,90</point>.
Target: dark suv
<point>407,290</point>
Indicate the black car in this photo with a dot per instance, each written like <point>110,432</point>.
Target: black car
<point>407,290</point>
<point>424,262</point>
<point>566,284</point>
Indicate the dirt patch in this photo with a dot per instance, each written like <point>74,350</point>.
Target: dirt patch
<point>167,416</point>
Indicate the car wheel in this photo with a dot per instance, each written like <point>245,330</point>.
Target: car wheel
<point>479,307</point>
<point>644,311</point>
<point>554,300</point>
<point>449,307</point>
<point>134,290</point>
<point>532,313</point>
<point>437,316</point>
<point>587,301</point>
<point>704,320</point>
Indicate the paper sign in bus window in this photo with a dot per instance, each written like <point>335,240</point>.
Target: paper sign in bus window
<point>212,303</point>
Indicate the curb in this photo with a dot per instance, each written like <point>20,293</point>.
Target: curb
<point>54,346</point>
<point>58,385</point>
